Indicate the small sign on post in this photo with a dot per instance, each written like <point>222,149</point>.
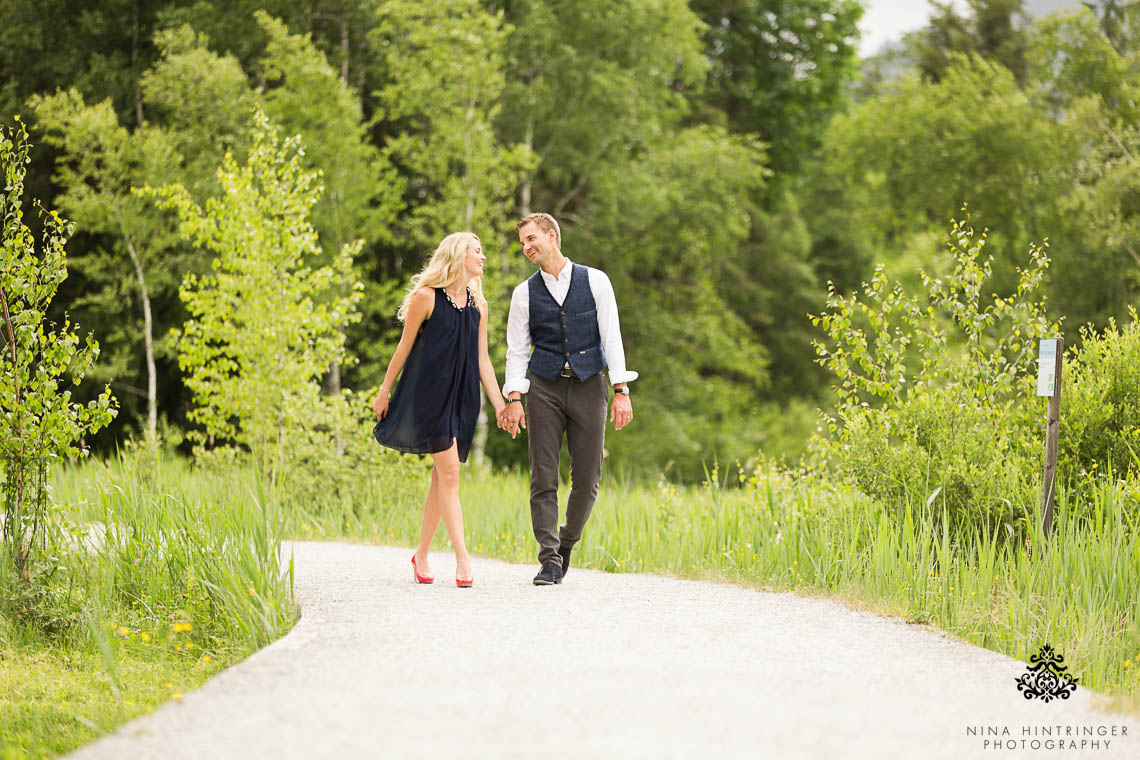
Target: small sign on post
<point>1047,367</point>
<point>1049,358</point>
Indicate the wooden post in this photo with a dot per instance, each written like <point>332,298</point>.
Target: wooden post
<point>1050,366</point>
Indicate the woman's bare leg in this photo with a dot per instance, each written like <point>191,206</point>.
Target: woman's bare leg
<point>447,499</point>
<point>429,525</point>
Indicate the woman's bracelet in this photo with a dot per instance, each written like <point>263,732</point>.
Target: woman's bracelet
<point>387,393</point>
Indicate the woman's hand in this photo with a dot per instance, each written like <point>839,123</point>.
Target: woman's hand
<point>380,405</point>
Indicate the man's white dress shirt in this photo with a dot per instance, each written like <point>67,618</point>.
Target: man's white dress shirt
<point>518,326</point>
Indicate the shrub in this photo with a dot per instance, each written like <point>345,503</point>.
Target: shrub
<point>38,420</point>
<point>935,394</point>
<point>1100,402</point>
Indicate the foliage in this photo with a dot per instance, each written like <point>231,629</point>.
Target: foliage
<point>363,191</point>
<point>1083,78</point>
<point>305,96</point>
<point>445,68</point>
<point>190,96</point>
<point>264,323</point>
<point>38,419</point>
<point>100,162</point>
<point>591,81</point>
<point>658,224</point>
<point>935,394</point>
<point>992,29</point>
<point>1100,416</point>
<point>779,70</point>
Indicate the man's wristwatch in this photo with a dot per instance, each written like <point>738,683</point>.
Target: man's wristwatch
<point>624,391</point>
<point>512,400</point>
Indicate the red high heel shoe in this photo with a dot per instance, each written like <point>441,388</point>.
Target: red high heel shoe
<point>464,582</point>
<point>420,578</point>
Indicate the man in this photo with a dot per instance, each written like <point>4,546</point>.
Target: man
<point>568,314</point>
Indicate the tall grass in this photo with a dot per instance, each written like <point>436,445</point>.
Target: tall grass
<point>166,544</point>
<point>159,575</point>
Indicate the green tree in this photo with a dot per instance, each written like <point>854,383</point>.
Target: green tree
<point>38,419</point>
<point>661,224</point>
<point>935,392</point>
<point>363,192</point>
<point>100,161</point>
<point>262,329</point>
<point>1093,91</point>
<point>445,75</point>
<point>589,82</point>
<point>914,155</point>
<point>779,69</point>
<point>992,29</point>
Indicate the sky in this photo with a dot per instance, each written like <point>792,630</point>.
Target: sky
<point>886,20</point>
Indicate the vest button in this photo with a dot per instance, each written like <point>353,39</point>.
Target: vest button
<point>565,340</point>
<point>564,314</point>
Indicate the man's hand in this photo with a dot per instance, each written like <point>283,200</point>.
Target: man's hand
<point>512,418</point>
<point>621,411</point>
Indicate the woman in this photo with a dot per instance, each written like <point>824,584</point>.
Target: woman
<point>443,353</point>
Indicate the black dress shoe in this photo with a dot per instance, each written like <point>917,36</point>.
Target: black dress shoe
<point>565,552</point>
<point>550,574</point>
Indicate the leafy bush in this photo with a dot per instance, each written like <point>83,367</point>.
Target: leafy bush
<point>1100,402</point>
<point>935,394</point>
<point>38,420</point>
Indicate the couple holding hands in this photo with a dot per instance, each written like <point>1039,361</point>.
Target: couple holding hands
<point>563,327</point>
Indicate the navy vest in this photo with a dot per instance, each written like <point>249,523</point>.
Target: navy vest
<point>567,333</point>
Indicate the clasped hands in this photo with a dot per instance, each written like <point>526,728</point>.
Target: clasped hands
<point>511,417</point>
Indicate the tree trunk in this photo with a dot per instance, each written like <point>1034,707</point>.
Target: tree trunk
<point>148,342</point>
<point>134,70</point>
<point>344,50</point>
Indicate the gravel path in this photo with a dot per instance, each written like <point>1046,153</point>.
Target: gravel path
<point>603,666</point>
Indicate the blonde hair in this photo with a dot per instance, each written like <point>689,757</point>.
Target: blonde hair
<point>444,266</point>
<point>545,222</point>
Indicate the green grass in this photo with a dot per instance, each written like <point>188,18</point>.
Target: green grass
<point>163,575</point>
<point>54,700</point>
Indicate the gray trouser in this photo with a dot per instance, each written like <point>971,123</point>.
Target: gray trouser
<point>578,411</point>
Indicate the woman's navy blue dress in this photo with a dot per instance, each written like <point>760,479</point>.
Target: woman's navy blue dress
<point>437,398</point>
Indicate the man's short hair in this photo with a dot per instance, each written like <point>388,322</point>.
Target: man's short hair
<point>545,222</point>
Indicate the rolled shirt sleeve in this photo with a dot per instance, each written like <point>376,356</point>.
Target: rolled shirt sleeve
<point>606,304</point>
<point>518,341</point>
